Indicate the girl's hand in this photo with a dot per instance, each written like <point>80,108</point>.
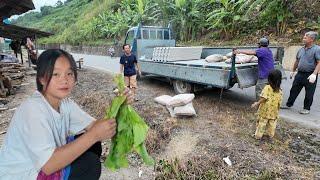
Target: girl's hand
<point>128,93</point>
<point>255,104</point>
<point>103,129</point>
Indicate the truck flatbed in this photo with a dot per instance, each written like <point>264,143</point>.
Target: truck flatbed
<point>157,53</point>
<point>204,63</point>
<point>216,74</point>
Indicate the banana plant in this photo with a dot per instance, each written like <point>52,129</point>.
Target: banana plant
<point>226,18</point>
<point>269,13</point>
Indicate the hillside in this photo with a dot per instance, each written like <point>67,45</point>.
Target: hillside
<point>69,21</point>
<point>201,22</point>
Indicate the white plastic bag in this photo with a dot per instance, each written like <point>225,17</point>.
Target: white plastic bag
<point>227,160</point>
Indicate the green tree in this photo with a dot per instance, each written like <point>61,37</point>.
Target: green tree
<point>187,17</point>
<point>226,18</point>
<point>46,10</point>
<point>269,13</point>
<point>59,3</point>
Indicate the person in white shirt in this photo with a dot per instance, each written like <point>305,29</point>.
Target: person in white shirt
<point>36,144</point>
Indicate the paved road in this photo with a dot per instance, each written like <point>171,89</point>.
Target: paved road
<point>245,96</point>
<point>100,62</point>
<point>105,63</point>
<point>311,120</point>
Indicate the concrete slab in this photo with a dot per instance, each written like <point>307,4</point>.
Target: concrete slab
<point>289,57</point>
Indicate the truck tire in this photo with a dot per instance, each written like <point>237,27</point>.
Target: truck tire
<point>181,87</point>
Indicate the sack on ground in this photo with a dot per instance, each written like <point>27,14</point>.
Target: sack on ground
<point>214,58</point>
<point>163,100</point>
<point>186,110</point>
<point>181,99</point>
<point>171,111</point>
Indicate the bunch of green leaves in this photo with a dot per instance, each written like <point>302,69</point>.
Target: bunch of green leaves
<point>131,131</point>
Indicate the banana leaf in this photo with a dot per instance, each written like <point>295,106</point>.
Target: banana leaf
<point>131,131</point>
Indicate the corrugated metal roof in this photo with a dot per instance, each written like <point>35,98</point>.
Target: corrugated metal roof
<point>14,7</point>
<point>18,33</point>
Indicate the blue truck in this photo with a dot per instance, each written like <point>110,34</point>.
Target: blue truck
<point>189,75</point>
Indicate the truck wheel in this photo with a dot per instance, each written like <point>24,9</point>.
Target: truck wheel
<point>181,87</point>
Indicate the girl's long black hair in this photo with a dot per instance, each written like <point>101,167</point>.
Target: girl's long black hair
<point>46,62</point>
<point>274,79</point>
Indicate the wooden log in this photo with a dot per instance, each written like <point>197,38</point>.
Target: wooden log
<point>15,65</point>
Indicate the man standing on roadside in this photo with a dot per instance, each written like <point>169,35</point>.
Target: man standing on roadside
<point>308,65</point>
<point>265,63</point>
<point>128,65</point>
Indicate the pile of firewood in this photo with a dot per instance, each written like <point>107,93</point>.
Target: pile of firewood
<point>11,76</point>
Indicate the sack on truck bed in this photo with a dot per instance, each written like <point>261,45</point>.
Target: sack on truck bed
<point>214,58</point>
<point>243,58</point>
<point>229,55</point>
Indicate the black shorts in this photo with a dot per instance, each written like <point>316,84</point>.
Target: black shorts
<point>88,165</point>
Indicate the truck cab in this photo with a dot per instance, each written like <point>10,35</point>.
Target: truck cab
<point>144,38</point>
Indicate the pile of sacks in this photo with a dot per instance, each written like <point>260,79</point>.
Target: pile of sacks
<point>179,105</point>
<point>240,58</point>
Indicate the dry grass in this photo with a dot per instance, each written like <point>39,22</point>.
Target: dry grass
<point>159,137</point>
<point>222,129</point>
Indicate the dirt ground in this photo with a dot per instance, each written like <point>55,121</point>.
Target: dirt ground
<point>194,148</point>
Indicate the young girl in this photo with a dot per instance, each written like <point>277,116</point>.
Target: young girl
<point>37,144</point>
<point>269,105</point>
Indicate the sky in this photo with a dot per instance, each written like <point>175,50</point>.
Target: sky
<point>39,3</point>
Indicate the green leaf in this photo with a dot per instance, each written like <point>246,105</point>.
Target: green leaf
<point>113,110</point>
<point>140,133</point>
<point>236,18</point>
<point>119,79</point>
<point>142,151</point>
<point>131,132</point>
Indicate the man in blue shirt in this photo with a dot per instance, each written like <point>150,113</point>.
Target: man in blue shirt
<point>308,65</point>
<point>265,63</point>
<point>128,65</point>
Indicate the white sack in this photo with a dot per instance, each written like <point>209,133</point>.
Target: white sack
<point>171,111</point>
<point>243,58</point>
<point>181,99</point>
<point>186,110</point>
<point>163,100</point>
<point>214,58</point>
<point>229,55</point>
